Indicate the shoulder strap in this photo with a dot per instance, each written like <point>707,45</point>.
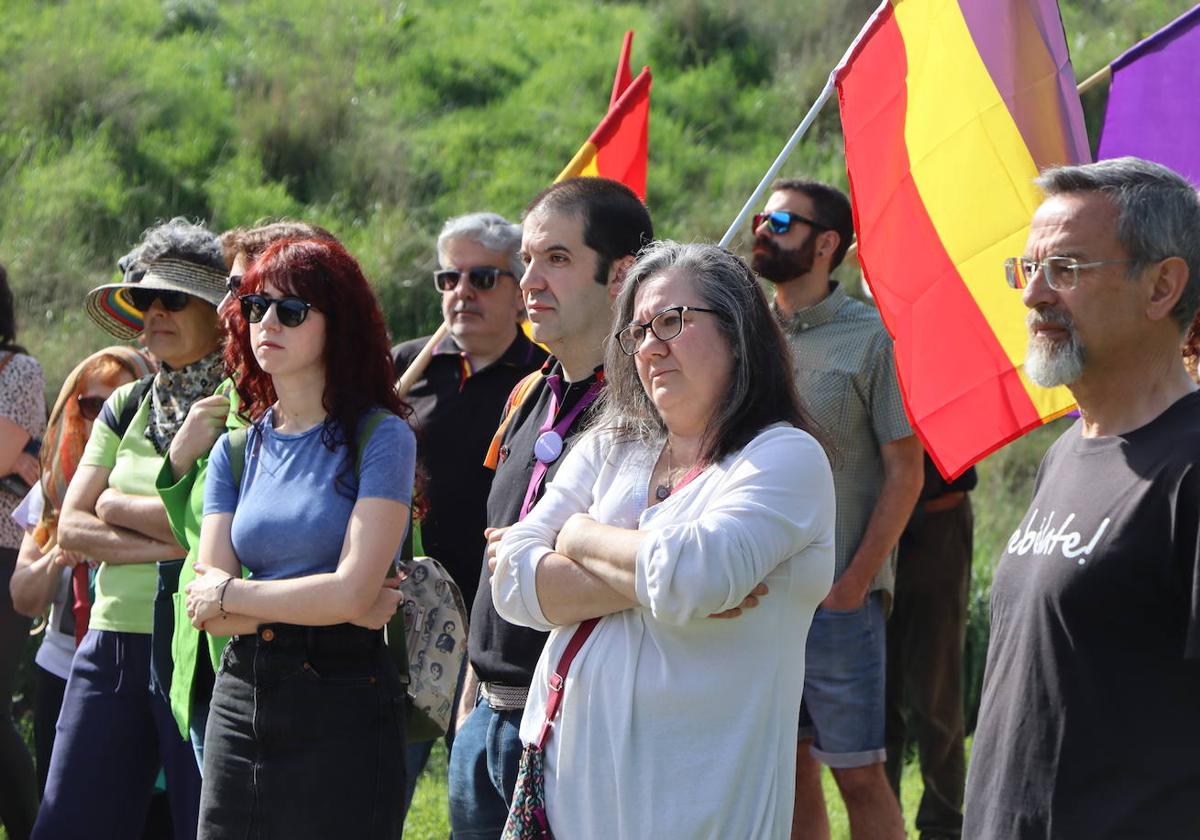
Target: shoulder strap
<point>558,680</point>
<point>516,399</point>
<point>237,454</point>
<point>369,424</point>
<point>132,403</point>
<point>238,439</point>
<point>11,355</point>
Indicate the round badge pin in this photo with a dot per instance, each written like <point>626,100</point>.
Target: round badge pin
<point>548,447</point>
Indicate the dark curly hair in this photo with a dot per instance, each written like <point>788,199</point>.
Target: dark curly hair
<point>358,363</point>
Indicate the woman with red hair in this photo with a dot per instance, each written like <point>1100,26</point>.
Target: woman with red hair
<point>305,734</point>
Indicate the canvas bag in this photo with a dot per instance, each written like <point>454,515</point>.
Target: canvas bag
<point>427,636</point>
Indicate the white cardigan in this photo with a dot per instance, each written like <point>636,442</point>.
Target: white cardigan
<point>674,724</point>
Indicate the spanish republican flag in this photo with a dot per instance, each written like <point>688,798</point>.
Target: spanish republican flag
<point>949,110</point>
<point>618,147</point>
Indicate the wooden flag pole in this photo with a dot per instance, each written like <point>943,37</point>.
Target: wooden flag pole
<point>418,365</point>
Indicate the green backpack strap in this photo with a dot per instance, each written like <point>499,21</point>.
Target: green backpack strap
<point>237,454</point>
<point>369,424</point>
<point>238,438</point>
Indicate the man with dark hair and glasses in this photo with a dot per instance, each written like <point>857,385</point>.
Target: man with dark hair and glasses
<point>1088,727</point>
<point>457,401</point>
<point>844,372</point>
<point>580,237</point>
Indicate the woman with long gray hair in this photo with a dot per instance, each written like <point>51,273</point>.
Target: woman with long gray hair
<point>699,488</point>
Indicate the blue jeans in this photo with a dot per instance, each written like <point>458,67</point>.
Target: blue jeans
<point>844,676</point>
<point>483,772</point>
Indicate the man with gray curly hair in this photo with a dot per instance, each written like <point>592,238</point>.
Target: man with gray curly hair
<point>457,401</point>
<point>1088,725</point>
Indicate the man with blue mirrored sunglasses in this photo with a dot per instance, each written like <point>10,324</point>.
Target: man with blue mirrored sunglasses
<point>844,372</point>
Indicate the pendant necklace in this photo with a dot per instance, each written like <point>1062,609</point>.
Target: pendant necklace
<point>664,489</point>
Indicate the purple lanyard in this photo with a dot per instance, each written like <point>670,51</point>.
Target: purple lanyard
<point>549,445</point>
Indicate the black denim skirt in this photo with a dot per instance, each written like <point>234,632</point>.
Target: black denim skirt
<point>305,737</point>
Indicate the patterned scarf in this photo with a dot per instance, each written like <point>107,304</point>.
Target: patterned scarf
<point>173,393</point>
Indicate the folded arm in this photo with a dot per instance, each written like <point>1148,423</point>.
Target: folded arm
<point>143,514</point>
<point>354,590</point>
<point>775,500</point>
<point>81,529</point>
<point>534,586</point>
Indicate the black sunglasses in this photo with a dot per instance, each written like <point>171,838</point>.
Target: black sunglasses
<point>290,310</point>
<point>143,299</point>
<point>89,407</point>
<point>780,221</point>
<point>482,278</point>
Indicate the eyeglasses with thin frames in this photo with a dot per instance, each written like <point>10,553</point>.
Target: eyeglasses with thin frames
<point>1061,273</point>
<point>664,326</point>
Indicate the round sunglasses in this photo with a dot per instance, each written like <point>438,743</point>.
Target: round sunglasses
<point>172,301</point>
<point>290,310</point>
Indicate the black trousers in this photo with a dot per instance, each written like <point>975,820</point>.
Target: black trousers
<point>925,637</point>
<point>305,737</point>
<point>46,707</point>
<point>18,784</point>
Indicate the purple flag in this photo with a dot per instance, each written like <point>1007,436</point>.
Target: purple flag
<point>1154,100</point>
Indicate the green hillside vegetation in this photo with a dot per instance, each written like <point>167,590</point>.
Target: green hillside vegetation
<point>379,118</point>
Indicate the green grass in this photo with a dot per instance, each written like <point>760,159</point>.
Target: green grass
<point>428,819</point>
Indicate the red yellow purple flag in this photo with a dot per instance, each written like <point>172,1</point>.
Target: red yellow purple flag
<point>618,147</point>
<point>949,110</point>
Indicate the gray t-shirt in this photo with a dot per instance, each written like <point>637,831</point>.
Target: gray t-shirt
<point>1089,727</point>
<point>296,495</point>
<point>842,358</point>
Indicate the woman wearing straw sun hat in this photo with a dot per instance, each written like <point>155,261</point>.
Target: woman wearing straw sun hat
<point>113,731</point>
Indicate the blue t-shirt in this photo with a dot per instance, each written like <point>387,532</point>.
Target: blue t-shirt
<point>291,512</point>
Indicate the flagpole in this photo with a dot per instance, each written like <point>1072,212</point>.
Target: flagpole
<point>752,202</point>
<point>1101,77</point>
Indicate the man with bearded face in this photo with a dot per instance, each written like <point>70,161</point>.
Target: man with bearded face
<point>1088,725</point>
<point>843,363</point>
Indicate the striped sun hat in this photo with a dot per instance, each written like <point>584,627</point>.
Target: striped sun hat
<point>112,309</point>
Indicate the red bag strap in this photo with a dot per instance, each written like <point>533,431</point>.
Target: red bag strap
<point>558,679</point>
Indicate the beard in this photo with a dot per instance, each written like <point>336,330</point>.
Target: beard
<point>1050,362</point>
<point>781,265</point>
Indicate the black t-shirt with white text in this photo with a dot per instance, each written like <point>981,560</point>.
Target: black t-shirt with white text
<point>1090,721</point>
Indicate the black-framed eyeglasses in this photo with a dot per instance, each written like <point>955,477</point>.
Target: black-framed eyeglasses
<point>664,326</point>
<point>172,301</point>
<point>290,310</point>
<point>89,407</point>
<point>482,277</point>
<point>781,221</point>
<point>1061,273</point>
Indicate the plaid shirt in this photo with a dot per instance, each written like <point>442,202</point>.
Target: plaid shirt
<point>842,357</point>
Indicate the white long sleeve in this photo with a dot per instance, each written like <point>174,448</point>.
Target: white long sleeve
<point>660,694</point>
<point>773,499</point>
<point>514,583</point>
